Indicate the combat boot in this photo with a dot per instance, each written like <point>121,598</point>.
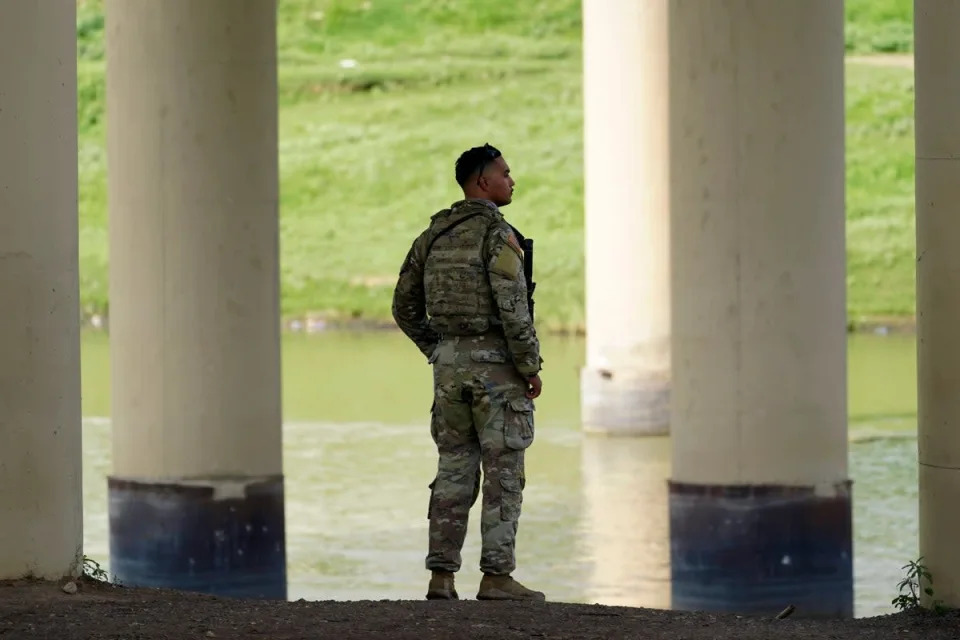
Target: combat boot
<point>505,588</point>
<point>441,587</point>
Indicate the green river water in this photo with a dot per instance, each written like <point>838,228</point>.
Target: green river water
<point>358,458</point>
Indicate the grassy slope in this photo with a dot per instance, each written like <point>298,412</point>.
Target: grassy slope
<point>366,152</point>
<point>879,26</point>
<point>880,206</point>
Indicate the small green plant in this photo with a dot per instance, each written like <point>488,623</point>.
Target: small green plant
<point>93,570</point>
<point>911,588</point>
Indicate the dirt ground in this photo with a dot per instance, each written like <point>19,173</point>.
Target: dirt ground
<point>31,609</point>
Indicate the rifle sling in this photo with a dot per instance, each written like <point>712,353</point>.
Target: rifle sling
<point>447,229</point>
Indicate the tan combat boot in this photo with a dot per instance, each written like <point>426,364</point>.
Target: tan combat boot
<point>505,588</point>
<point>441,587</point>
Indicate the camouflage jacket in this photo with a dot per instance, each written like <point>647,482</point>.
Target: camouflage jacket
<point>482,287</point>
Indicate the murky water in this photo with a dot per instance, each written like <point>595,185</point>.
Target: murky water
<point>358,458</point>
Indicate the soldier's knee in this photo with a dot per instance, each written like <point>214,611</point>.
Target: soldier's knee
<point>456,485</point>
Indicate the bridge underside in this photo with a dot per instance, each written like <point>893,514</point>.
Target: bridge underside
<point>714,178</point>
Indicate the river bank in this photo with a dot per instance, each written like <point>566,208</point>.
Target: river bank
<point>32,609</point>
<point>322,323</point>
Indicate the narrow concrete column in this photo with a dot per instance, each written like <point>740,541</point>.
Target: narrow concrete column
<point>937,61</point>
<point>196,497</point>
<point>41,499</point>
<point>760,511</point>
<point>625,385</point>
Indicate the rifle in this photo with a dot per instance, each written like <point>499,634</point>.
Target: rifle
<point>527,245</point>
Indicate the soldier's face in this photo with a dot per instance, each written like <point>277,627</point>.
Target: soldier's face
<point>496,182</point>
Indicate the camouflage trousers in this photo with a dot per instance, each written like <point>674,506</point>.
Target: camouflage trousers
<point>480,420</point>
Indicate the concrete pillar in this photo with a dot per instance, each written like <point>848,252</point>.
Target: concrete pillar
<point>937,61</point>
<point>41,513</point>
<point>760,511</point>
<point>196,495</point>
<point>625,385</point>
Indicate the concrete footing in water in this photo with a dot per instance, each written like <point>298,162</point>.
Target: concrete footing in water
<point>757,549</point>
<point>625,403</point>
<point>218,536</point>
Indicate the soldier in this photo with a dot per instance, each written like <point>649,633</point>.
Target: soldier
<point>462,299</point>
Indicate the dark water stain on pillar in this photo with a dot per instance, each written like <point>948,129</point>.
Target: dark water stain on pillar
<point>757,549</point>
<point>222,536</point>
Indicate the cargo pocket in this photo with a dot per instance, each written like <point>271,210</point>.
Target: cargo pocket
<point>511,498</point>
<point>518,424</point>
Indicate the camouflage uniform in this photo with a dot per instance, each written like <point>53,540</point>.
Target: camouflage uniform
<point>465,307</point>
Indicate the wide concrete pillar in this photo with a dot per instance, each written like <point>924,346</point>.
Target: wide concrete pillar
<point>937,62</point>
<point>625,384</point>
<point>41,513</point>
<point>196,495</point>
<point>760,511</point>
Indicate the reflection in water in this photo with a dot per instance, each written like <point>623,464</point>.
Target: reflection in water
<point>626,516</point>
<point>356,509</point>
<point>884,519</point>
<point>358,458</point>
<point>97,464</point>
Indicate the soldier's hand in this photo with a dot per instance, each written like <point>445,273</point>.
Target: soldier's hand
<point>535,387</point>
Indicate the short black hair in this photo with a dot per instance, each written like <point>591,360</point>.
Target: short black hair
<point>473,160</point>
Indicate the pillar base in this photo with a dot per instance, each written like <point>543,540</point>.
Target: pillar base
<point>939,495</point>
<point>756,549</point>
<point>222,536</point>
<point>624,403</point>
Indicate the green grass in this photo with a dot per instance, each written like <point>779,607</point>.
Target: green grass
<point>879,26</point>
<point>880,192</point>
<point>366,153</point>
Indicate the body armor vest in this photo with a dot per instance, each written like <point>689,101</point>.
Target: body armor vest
<point>459,299</point>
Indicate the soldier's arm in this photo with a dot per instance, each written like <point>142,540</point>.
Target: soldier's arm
<point>410,303</point>
<point>505,270</point>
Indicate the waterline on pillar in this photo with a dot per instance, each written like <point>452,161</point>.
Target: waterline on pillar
<point>618,402</point>
<point>222,536</point>
<point>754,549</point>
